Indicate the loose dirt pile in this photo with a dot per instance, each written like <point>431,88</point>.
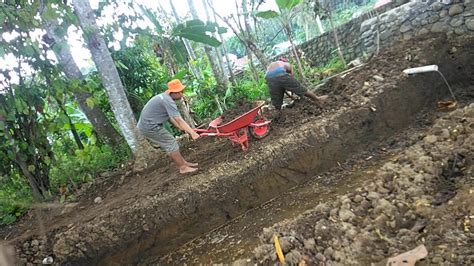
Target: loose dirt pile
<point>424,196</point>
<point>240,108</point>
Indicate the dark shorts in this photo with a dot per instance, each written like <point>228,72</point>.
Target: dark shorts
<point>279,84</point>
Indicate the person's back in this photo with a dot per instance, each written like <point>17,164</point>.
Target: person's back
<point>279,78</point>
<point>157,111</point>
<point>278,68</point>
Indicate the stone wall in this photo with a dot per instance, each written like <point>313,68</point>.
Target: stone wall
<point>417,17</point>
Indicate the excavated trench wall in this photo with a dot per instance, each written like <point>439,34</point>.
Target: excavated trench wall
<point>336,138</point>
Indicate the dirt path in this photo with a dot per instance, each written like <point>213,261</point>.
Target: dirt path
<point>140,212</point>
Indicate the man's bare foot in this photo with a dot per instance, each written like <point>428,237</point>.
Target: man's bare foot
<point>186,169</point>
<point>323,99</point>
<point>191,164</point>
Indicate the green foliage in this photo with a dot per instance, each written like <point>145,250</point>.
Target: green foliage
<point>249,89</point>
<point>24,147</point>
<point>152,17</point>
<point>287,4</point>
<point>317,74</point>
<point>201,93</point>
<point>198,31</point>
<point>142,75</point>
<point>82,166</point>
<point>267,14</point>
<point>234,46</point>
<point>15,196</point>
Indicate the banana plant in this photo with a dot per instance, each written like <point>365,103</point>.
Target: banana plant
<point>285,14</point>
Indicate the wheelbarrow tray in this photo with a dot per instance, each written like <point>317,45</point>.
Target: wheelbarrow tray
<point>236,129</point>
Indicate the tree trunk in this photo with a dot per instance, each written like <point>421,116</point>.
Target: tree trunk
<point>252,66</point>
<point>216,50</point>
<point>73,129</point>
<point>221,83</point>
<point>248,31</point>
<point>250,44</point>
<point>320,25</point>
<point>189,49</point>
<point>229,66</point>
<point>336,38</point>
<point>227,61</point>
<point>112,83</point>
<point>94,114</point>
<point>295,52</point>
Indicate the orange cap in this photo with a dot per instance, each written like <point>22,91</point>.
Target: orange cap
<point>175,86</point>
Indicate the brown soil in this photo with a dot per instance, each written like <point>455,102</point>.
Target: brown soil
<point>421,195</point>
<point>149,214</point>
<point>240,108</point>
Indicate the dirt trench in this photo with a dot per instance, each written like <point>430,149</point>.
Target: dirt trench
<point>366,109</point>
<point>420,196</point>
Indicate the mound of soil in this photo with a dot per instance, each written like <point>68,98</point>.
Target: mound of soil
<point>423,196</point>
<point>240,108</point>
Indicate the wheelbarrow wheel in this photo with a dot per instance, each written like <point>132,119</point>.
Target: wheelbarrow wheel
<point>259,132</point>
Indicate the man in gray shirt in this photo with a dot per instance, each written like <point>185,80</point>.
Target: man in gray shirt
<point>160,109</point>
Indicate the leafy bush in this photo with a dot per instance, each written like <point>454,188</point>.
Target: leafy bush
<point>82,166</point>
<point>15,196</point>
<point>249,89</point>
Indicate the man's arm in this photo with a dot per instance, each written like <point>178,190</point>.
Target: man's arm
<point>179,122</point>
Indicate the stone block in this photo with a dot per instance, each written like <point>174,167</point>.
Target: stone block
<point>416,22</point>
<point>406,27</point>
<point>392,17</point>
<point>433,19</point>
<point>456,9</point>
<point>366,25</point>
<point>470,24</point>
<point>469,13</point>
<point>460,31</point>
<point>439,27</point>
<point>367,34</point>
<point>443,13</point>
<point>437,6</point>
<point>385,35</point>
<point>423,31</point>
<point>456,22</point>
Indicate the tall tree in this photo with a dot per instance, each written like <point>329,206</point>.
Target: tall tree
<point>94,114</point>
<point>166,46</point>
<point>112,83</point>
<point>226,54</point>
<point>220,61</point>
<point>285,16</point>
<point>248,31</point>
<point>323,8</point>
<point>218,75</point>
<point>233,22</point>
<point>196,71</point>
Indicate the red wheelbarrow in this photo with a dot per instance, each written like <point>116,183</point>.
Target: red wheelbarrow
<point>237,129</point>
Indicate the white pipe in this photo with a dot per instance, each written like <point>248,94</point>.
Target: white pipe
<point>429,68</point>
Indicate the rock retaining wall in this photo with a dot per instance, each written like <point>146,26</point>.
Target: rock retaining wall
<point>417,17</point>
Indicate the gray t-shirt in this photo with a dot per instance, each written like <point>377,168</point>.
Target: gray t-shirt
<point>157,111</point>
